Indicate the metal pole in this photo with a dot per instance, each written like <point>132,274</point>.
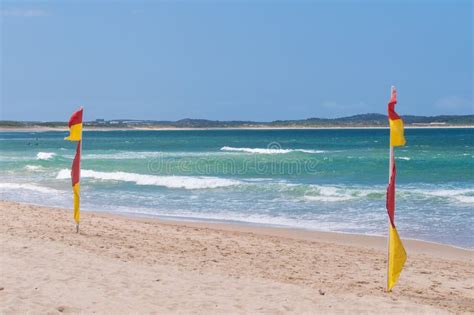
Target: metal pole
<point>390,167</point>
<point>80,157</point>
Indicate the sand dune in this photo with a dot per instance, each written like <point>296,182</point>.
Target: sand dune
<point>123,265</point>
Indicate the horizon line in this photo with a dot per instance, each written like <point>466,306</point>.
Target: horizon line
<point>238,120</point>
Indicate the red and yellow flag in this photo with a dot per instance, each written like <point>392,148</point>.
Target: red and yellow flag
<point>396,252</point>
<point>397,137</point>
<point>75,134</point>
<point>75,126</point>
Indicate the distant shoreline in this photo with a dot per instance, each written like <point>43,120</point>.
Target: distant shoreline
<point>360,121</point>
<point>45,129</point>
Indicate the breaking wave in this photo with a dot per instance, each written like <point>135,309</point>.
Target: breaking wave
<point>33,167</point>
<point>31,187</point>
<point>186,182</point>
<point>287,190</point>
<point>340,193</point>
<point>333,193</point>
<point>45,155</point>
<point>143,155</point>
<point>268,150</point>
<point>460,195</point>
<point>121,155</point>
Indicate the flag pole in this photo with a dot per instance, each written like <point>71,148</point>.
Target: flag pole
<point>390,168</point>
<point>75,134</point>
<point>80,153</point>
<point>396,252</point>
<point>390,165</point>
<point>80,157</point>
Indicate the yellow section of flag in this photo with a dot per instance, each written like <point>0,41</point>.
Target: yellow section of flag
<point>396,258</point>
<point>397,134</point>
<point>76,189</point>
<point>75,133</point>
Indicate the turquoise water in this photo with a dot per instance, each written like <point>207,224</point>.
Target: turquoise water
<point>330,180</point>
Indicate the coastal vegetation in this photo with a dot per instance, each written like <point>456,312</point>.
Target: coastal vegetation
<point>363,120</point>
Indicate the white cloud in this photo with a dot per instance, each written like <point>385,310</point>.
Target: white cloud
<point>15,12</point>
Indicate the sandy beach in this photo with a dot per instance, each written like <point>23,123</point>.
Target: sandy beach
<point>132,265</point>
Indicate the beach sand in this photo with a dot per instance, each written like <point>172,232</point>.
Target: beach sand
<point>126,265</point>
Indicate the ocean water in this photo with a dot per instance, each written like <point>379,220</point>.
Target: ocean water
<point>328,180</point>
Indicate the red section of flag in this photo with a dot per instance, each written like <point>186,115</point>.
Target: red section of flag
<point>391,196</point>
<point>76,164</point>
<point>76,118</point>
<point>391,106</point>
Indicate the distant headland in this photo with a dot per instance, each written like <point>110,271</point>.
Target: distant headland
<point>356,121</point>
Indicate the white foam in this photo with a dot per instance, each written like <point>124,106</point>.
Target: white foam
<point>122,155</point>
<point>403,158</point>
<point>186,182</point>
<point>327,198</point>
<point>334,194</point>
<point>447,192</point>
<point>465,199</point>
<point>256,218</point>
<point>33,167</point>
<point>144,155</point>
<point>268,150</point>
<point>31,187</point>
<point>461,195</point>
<point>45,155</point>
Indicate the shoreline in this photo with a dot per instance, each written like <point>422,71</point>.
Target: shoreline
<point>121,264</point>
<point>342,238</point>
<point>379,241</point>
<point>65,129</point>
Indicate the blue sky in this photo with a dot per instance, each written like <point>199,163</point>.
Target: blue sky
<point>242,60</point>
